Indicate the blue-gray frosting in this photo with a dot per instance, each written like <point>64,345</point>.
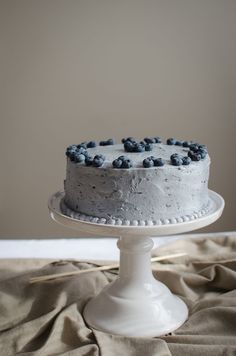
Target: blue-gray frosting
<point>137,195</point>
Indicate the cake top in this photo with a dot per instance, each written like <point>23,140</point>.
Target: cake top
<point>148,153</point>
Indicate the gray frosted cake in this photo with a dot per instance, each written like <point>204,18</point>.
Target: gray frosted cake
<point>137,182</point>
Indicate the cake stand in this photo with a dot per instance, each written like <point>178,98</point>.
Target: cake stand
<point>136,304</point>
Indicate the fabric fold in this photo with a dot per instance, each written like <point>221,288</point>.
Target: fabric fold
<point>46,319</point>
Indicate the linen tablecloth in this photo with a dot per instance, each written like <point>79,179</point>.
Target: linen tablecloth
<point>46,318</point>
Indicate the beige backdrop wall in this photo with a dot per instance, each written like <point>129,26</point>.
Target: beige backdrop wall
<point>74,70</point>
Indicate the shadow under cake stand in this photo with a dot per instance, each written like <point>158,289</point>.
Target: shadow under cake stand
<point>136,304</point>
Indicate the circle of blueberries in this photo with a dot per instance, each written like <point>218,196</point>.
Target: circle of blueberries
<point>122,162</point>
<point>131,145</point>
<point>79,153</point>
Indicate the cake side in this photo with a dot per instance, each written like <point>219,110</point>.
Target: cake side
<point>137,195</point>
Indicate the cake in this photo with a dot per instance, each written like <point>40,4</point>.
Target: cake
<point>136,183</point>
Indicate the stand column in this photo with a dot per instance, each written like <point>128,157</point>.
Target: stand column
<point>135,259</point>
<point>136,304</point>
<point>135,273</point>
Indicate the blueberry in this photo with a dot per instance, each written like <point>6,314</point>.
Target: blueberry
<point>148,147</point>
<point>110,141</point>
<point>186,143</point>
<point>176,161</point>
<point>79,158</point>
<point>88,161</point>
<point>98,160</point>
<point>194,156</point>
<point>81,149</point>
<point>131,139</point>
<point>147,163</point>
<point>85,153</point>
<point>202,147</point>
<point>72,148</point>
<point>158,162</point>
<point>83,145</point>
<point>193,147</point>
<point>100,156</point>
<point>178,143</point>
<point>157,139</point>
<point>91,144</point>
<point>137,147</point>
<point>72,155</point>
<point>117,163</point>
<point>127,163</point>
<point>174,155</point>
<point>149,140</point>
<point>186,160</point>
<point>202,153</point>
<point>190,154</point>
<point>150,158</point>
<point>128,146</point>
<point>122,158</point>
<point>171,141</point>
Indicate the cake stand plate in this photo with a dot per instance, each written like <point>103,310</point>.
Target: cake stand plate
<point>136,304</point>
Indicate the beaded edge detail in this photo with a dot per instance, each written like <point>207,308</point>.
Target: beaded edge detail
<point>118,222</point>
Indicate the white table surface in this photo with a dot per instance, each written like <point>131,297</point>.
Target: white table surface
<point>78,248</point>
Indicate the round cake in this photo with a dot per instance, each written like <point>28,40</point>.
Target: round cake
<point>137,182</point>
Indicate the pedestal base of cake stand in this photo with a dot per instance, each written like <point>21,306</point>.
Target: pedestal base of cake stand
<point>136,304</point>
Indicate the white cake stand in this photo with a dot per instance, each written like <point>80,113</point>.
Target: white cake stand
<point>136,304</point>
